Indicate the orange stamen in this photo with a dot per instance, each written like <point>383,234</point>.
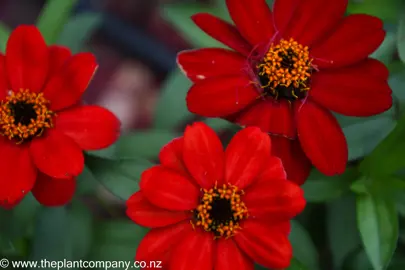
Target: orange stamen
<point>23,129</point>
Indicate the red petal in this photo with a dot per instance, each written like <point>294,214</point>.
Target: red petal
<point>230,257</point>
<point>203,154</point>
<point>355,38</point>
<point>142,212</point>
<point>17,173</point>
<point>267,245</point>
<point>295,162</point>
<point>273,169</point>
<point>91,127</point>
<point>3,77</point>
<point>171,156</point>
<point>310,19</point>
<point>169,190</point>
<point>222,31</point>
<point>246,155</point>
<point>57,155</point>
<point>274,199</point>
<point>66,87</point>
<point>210,62</point>
<point>322,139</point>
<point>272,117</point>
<point>253,20</point>
<point>27,59</point>
<point>58,55</point>
<point>353,91</point>
<point>158,241</point>
<point>52,191</point>
<point>199,247</point>
<point>221,96</point>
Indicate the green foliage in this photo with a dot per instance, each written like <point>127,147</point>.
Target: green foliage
<point>144,144</point>
<point>303,247</point>
<point>320,188</point>
<point>387,10</point>
<point>4,34</point>
<point>401,38</point>
<point>377,221</point>
<point>171,106</point>
<point>78,29</point>
<point>121,177</point>
<point>53,17</point>
<point>116,240</point>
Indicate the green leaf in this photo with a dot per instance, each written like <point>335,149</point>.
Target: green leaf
<point>53,17</point>
<point>400,202</point>
<point>78,30</point>
<point>120,177</point>
<point>377,221</point>
<point>297,265</point>
<point>80,230</point>
<point>385,53</point>
<point>303,247</point>
<point>171,108</point>
<point>321,188</point>
<point>179,15</point>
<point>116,241</point>
<point>4,34</point>
<point>16,223</point>
<point>52,239</point>
<point>218,124</point>
<point>397,84</point>
<point>342,230</point>
<point>144,144</point>
<point>363,137</point>
<point>86,182</point>
<point>392,149</point>
<point>387,10</point>
<point>108,153</point>
<point>401,38</point>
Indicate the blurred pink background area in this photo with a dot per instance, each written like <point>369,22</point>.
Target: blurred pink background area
<point>126,82</point>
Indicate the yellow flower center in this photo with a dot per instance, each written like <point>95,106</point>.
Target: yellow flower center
<point>285,71</point>
<point>24,115</point>
<point>220,211</point>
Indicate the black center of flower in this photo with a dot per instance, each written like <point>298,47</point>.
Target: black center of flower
<point>220,211</point>
<point>285,71</point>
<point>23,112</point>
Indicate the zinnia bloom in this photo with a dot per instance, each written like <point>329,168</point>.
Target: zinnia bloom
<point>44,128</point>
<point>215,209</point>
<point>289,68</point>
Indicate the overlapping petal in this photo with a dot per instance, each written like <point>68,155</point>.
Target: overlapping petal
<point>18,173</point>
<point>67,85</point>
<point>230,257</point>
<point>27,59</point>
<point>223,32</point>
<point>201,64</point>
<point>266,245</point>
<point>359,90</point>
<point>91,127</point>
<point>253,19</point>
<point>169,190</point>
<point>321,138</point>
<point>356,37</point>
<point>221,96</point>
<point>142,212</point>
<point>246,156</point>
<point>203,155</point>
<point>51,191</point>
<point>57,155</point>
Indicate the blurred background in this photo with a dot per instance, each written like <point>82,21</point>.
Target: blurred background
<point>136,42</point>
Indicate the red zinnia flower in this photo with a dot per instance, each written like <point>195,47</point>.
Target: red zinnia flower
<point>288,70</point>
<point>215,209</point>
<point>44,127</point>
